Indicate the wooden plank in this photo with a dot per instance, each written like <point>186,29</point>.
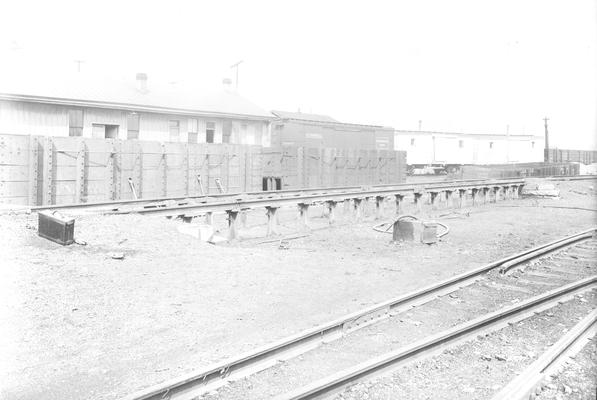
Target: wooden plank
<point>13,190</point>
<point>64,191</point>
<point>14,150</point>
<point>80,177</point>
<point>14,173</point>
<point>48,171</point>
<point>33,171</point>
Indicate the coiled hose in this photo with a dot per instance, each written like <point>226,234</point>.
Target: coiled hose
<point>378,227</point>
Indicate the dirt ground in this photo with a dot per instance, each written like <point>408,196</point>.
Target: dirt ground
<point>78,324</point>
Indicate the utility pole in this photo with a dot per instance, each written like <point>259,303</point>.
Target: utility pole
<point>236,66</point>
<point>79,62</point>
<point>546,151</point>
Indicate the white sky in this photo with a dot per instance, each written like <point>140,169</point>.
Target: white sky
<point>472,66</point>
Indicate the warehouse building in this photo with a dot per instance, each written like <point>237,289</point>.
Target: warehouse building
<point>81,105</point>
<point>314,130</point>
<point>446,149</point>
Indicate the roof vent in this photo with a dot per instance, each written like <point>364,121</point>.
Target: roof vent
<point>141,82</point>
<point>227,84</point>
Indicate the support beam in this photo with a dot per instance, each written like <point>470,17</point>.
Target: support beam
<point>417,200</point>
<point>365,206</point>
<point>303,216</point>
<point>507,193</point>
<point>434,199</point>
<point>272,221</point>
<point>474,192</point>
<point>358,209</point>
<point>486,196</point>
<point>232,224</point>
<point>379,207</point>
<point>399,199</point>
<point>496,193</point>
<point>449,199</point>
<point>331,207</point>
<point>461,197</point>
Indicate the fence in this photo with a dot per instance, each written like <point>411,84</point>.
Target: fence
<point>581,156</point>
<point>37,170</point>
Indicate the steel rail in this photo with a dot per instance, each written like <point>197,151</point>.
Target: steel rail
<point>113,204</point>
<point>299,198</point>
<point>486,323</point>
<point>508,266</point>
<point>213,376</point>
<point>521,387</point>
<point>572,178</point>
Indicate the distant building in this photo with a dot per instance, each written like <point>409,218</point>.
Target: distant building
<point>90,107</point>
<point>443,148</point>
<point>314,130</point>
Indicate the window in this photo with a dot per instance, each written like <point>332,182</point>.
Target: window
<point>132,126</point>
<point>102,131</point>
<point>75,122</point>
<point>210,130</point>
<point>174,128</point>
<point>412,141</point>
<point>193,130</point>
<point>532,145</point>
<point>226,131</point>
<point>461,143</point>
<point>491,145</point>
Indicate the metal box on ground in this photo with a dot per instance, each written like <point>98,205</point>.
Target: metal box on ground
<point>429,234</point>
<point>403,231</point>
<point>56,228</point>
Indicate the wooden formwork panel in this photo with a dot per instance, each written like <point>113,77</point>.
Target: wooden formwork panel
<point>236,168</point>
<point>18,173</point>
<point>289,166</point>
<point>216,163</point>
<point>197,156</point>
<point>313,162</point>
<point>254,169</point>
<point>14,173</point>
<point>176,165</point>
<point>14,150</point>
<point>45,170</point>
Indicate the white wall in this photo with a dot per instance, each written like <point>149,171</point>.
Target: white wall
<point>20,118</point>
<point>475,148</point>
<point>27,118</point>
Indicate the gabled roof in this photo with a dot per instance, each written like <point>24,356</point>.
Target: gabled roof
<point>93,91</point>
<point>303,116</point>
<point>318,119</point>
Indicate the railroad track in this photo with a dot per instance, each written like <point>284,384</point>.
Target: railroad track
<point>315,364</point>
<point>163,205</point>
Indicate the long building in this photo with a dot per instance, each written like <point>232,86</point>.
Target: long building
<point>445,148</point>
<point>80,105</point>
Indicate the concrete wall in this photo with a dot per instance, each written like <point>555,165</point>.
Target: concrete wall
<point>28,118</point>
<point>452,148</point>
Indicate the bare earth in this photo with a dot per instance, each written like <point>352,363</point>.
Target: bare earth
<point>78,324</point>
